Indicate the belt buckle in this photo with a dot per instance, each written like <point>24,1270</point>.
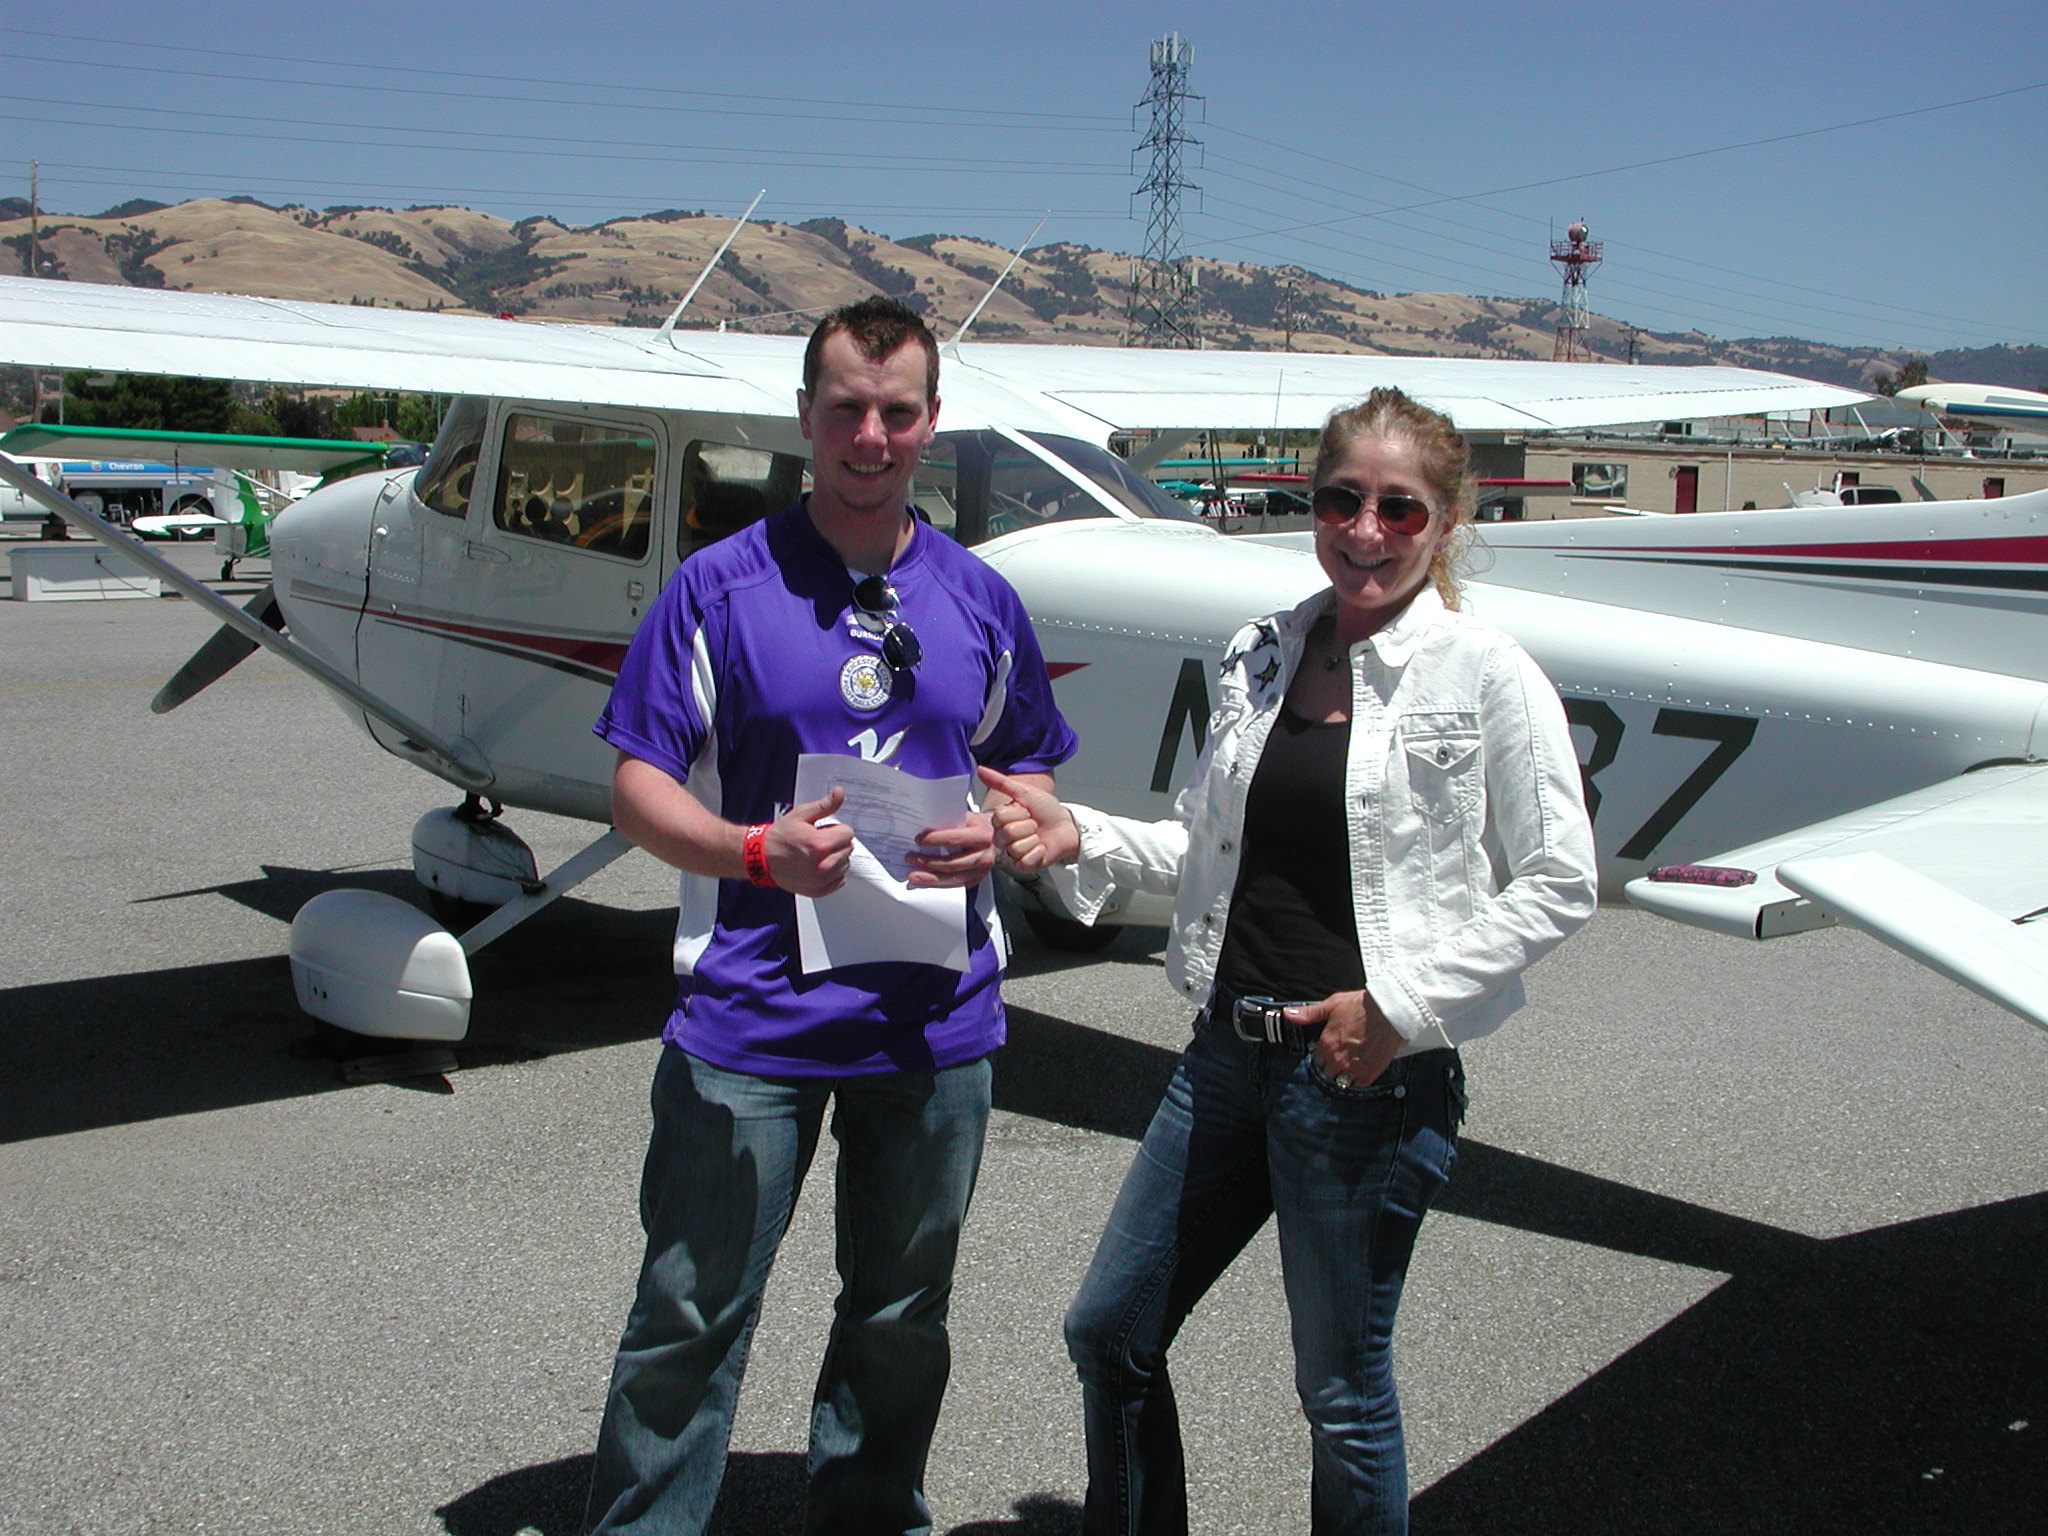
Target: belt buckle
<point>1259,1020</point>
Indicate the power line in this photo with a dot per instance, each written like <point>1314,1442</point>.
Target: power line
<point>156,46</point>
<point>823,159</point>
<point>1871,311</point>
<point>1692,154</point>
<point>1877,309</point>
<point>1687,299</point>
<point>584,101</point>
<point>527,194</point>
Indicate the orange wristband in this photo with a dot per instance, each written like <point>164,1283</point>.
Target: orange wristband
<point>754,855</point>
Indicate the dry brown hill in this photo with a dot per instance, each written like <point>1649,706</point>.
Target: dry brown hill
<point>777,276</point>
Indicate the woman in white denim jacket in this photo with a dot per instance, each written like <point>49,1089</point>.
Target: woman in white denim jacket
<point>1385,828</point>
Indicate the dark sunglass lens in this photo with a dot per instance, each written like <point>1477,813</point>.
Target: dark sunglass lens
<point>1334,504</point>
<point>873,594</point>
<point>1404,514</point>
<point>900,648</point>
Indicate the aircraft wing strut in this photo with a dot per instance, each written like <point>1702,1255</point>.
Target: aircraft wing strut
<point>461,761</point>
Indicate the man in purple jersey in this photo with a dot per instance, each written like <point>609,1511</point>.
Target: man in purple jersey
<point>846,625</point>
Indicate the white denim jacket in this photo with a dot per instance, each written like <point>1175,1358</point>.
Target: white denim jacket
<point>1471,851</point>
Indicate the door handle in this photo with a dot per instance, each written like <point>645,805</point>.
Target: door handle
<point>484,552</point>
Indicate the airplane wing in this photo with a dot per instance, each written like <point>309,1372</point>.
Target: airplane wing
<point>1087,391</point>
<point>1990,402</point>
<point>215,450</point>
<point>1954,875</point>
<point>1128,387</point>
<point>52,324</point>
<point>173,522</point>
<point>46,323</point>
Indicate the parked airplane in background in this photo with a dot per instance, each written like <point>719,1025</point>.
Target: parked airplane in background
<point>1731,677</point>
<point>173,482</point>
<point>1978,402</point>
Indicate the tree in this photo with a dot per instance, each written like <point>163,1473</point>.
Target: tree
<point>147,402</point>
<point>279,412</point>
<point>1912,373</point>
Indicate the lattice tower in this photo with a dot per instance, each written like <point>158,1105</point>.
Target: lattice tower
<point>1164,308</point>
<point>1574,256</point>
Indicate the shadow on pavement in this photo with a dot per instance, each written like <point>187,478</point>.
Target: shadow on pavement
<point>116,1049</point>
<point>547,1499</point>
<point>1888,1381</point>
<point>110,1050</point>
<point>763,1492</point>
<point>1894,1380</point>
<point>1068,1073</point>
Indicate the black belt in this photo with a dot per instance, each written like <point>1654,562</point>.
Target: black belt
<point>1260,1020</point>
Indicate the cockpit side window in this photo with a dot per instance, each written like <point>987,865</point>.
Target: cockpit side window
<point>589,484</point>
<point>980,485</point>
<point>444,484</point>
<point>726,487</point>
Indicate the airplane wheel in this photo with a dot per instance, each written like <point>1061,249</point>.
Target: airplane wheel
<point>1063,933</point>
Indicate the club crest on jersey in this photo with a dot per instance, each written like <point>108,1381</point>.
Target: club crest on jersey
<point>864,681</point>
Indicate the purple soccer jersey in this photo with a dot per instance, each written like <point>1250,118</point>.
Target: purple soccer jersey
<point>755,653</point>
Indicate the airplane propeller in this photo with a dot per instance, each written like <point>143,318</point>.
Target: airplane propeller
<point>220,655</point>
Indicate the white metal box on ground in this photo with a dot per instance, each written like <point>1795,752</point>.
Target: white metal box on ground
<point>81,573</point>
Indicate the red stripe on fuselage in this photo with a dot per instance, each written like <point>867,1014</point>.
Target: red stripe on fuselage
<point>598,655</point>
<point>2027,550</point>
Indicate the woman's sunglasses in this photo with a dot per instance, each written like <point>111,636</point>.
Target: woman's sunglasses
<point>1335,505</point>
<point>873,596</point>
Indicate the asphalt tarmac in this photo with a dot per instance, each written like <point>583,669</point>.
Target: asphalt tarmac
<point>1743,1237</point>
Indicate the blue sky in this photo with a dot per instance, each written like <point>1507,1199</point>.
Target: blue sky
<point>1396,147</point>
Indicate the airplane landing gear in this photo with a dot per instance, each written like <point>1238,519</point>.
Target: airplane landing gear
<point>375,965</point>
<point>469,861</point>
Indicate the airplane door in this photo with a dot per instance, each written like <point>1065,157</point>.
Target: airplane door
<point>558,562</point>
<point>416,536</point>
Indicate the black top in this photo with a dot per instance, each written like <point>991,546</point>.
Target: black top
<point>1291,933</point>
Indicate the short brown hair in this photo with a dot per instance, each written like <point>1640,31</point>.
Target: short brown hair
<point>878,327</point>
<point>1388,412</point>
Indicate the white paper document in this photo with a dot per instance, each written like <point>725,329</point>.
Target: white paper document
<point>876,915</point>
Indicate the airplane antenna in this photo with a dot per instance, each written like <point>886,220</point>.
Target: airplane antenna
<point>668,326</point>
<point>953,342</point>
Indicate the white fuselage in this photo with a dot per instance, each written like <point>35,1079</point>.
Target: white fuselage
<point>1725,681</point>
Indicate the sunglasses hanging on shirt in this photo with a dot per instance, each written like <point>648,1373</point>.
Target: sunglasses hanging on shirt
<point>876,600</point>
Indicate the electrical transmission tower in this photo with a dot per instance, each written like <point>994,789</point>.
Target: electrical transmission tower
<point>1164,308</point>
<point>1574,256</point>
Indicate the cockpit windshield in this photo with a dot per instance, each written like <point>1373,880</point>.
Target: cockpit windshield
<point>981,485</point>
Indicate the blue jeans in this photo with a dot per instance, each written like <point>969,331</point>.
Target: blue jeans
<point>1246,1130</point>
<point>728,1154</point>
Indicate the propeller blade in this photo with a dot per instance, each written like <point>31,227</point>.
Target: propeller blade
<point>218,656</point>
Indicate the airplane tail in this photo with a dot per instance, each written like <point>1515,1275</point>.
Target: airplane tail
<point>1959,582</point>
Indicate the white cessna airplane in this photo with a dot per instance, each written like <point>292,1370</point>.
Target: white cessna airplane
<point>1786,719</point>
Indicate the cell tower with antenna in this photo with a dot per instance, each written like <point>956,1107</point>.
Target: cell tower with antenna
<point>1164,309</point>
<point>1574,256</point>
